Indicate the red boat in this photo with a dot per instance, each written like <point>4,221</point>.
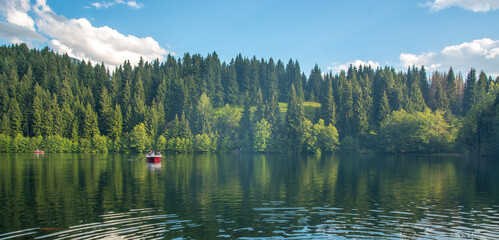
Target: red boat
<point>39,152</point>
<point>153,158</point>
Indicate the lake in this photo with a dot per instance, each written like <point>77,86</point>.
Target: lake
<point>239,195</point>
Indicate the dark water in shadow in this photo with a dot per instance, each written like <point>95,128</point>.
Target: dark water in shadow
<point>114,196</point>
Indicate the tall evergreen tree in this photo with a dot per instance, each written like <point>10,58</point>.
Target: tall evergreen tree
<point>245,125</point>
<point>106,111</point>
<point>469,91</point>
<point>15,117</point>
<point>451,91</point>
<point>294,116</point>
<point>314,84</point>
<point>116,128</point>
<point>37,110</point>
<point>229,83</point>
<point>90,124</point>
<point>384,109</point>
<point>328,108</point>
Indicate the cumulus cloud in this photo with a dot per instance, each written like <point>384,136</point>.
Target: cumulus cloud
<point>473,5</point>
<point>80,39</point>
<point>337,68</point>
<point>131,4</point>
<point>482,54</point>
<point>15,12</point>
<point>77,37</point>
<point>16,34</point>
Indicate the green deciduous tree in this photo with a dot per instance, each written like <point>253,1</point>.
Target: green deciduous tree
<point>261,132</point>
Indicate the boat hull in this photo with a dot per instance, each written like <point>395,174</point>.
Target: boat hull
<point>153,159</point>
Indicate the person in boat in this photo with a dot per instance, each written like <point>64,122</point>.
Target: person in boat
<point>157,153</point>
<point>150,153</point>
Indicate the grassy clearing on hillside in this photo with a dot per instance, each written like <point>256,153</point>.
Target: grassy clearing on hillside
<point>310,109</point>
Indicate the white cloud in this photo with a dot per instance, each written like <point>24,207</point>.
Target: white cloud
<point>80,39</point>
<point>131,4</point>
<point>337,68</point>
<point>482,54</point>
<point>15,12</point>
<point>77,37</point>
<point>16,34</point>
<point>473,5</point>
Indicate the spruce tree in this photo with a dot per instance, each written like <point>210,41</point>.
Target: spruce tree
<point>451,91</point>
<point>314,85</point>
<point>384,109</point>
<point>56,116</point>
<point>105,114</point>
<point>116,127</point>
<point>36,118</point>
<point>185,129</point>
<point>90,124</point>
<point>328,108</point>
<point>360,116</point>
<point>5,125</point>
<point>15,117</point>
<point>245,124</point>
<point>469,98</point>
<point>294,116</point>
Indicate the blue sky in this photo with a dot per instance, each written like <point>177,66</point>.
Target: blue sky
<point>332,34</point>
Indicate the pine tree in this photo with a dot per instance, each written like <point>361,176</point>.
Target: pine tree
<point>245,124</point>
<point>260,107</point>
<point>174,128</point>
<point>47,126</point>
<point>36,117</point>
<point>90,124</point>
<point>469,98</point>
<point>441,101</point>
<point>328,108</point>
<point>56,116</point>
<point>185,129</point>
<point>481,87</point>
<point>384,109</point>
<point>15,117</point>
<point>345,116</point>
<point>315,82</point>
<point>5,125</point>
<point>294,116</point>
<point>415,100</point>
<point>105,114</point>
<point>360,116</point>
<point>452,91</point>
<point>229,83</point>
<point>139,105</point>
<point>67,120</point>
<point>116,127</point>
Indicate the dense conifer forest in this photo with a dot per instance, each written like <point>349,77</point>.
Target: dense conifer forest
<point>198,103</point>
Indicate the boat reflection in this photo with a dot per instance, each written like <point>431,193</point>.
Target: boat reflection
<point>154,167</point>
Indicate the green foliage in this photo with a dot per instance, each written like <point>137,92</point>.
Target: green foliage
<point>419,132</point>
<point>294,117</point>
<point>58,144</point>
<point>180,145</point>
<point>315,138</point>
<point>5,142</point>
<point>480,128</point>
<point>160,144</point>
<point>328,138</point>
<point>139,140</point>
<point>44,94</point>
<point>205,142</point>
<point>261,132</point>
<point>99,144</point>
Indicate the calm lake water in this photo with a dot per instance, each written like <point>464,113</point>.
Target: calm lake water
<point>236,195</point>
